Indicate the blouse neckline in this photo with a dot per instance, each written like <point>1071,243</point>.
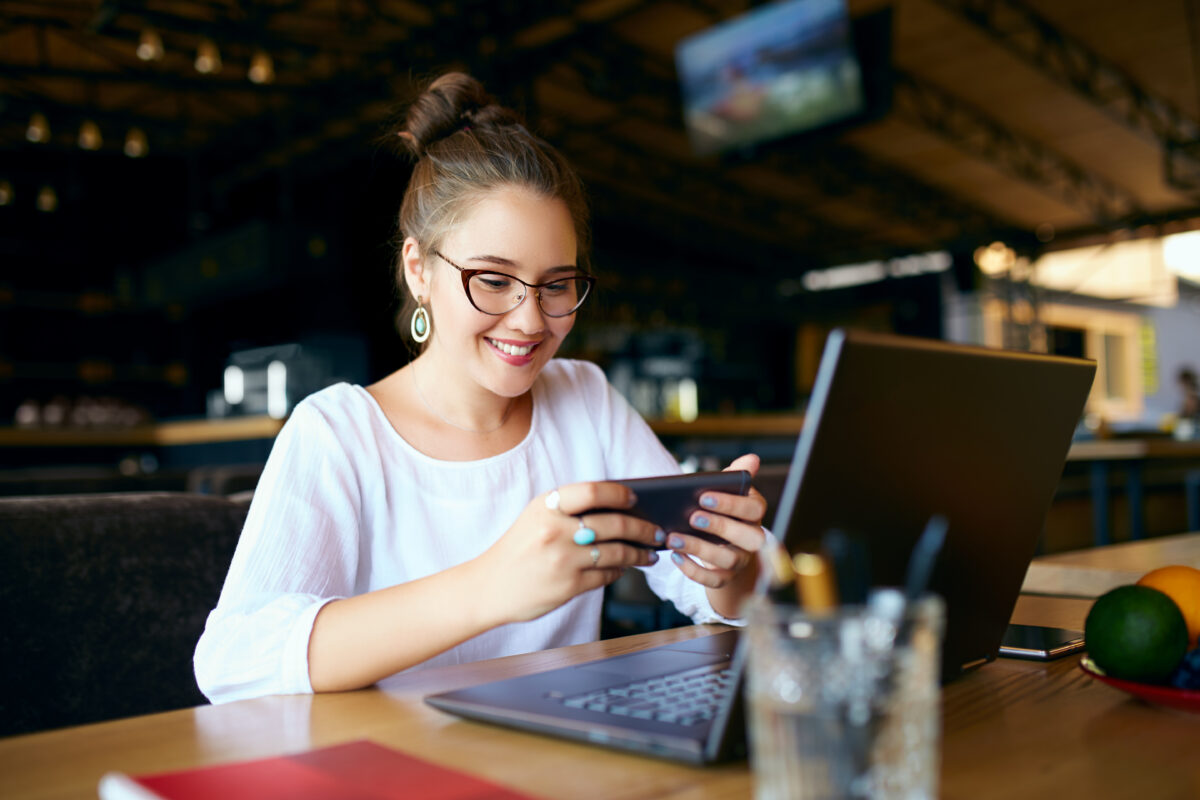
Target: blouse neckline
<point>534,421</point>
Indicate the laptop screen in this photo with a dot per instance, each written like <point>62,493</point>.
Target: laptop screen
<point>899,429</point>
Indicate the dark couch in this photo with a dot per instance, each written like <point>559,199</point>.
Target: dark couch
<point>102,598</point>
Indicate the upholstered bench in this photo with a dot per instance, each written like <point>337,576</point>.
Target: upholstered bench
<point>102,599</point>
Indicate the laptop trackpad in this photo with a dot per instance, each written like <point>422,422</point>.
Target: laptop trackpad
<point>649,664</point>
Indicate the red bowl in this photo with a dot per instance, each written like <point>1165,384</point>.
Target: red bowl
<point>1185,699</point>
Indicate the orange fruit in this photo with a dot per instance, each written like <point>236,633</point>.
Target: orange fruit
<point>1181,584</point>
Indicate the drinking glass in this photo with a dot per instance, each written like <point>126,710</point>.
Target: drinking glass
<point>845,703</point>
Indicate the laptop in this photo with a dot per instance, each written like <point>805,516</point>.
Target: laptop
<point>897,430</point>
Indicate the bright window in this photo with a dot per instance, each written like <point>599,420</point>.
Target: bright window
<point>1111,338</point>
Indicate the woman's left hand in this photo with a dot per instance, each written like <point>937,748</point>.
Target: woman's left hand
<point>722,566</point>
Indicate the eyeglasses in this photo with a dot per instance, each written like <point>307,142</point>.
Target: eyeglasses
<point>496,293</point>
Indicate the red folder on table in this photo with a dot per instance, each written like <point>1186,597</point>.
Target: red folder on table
<point>354,771</point>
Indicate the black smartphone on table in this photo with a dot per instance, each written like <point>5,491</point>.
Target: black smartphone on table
<point>670,500</point>
<point>1039,643</point>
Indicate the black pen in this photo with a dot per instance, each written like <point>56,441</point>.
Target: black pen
<point>924,557</point>
<point>851,563</point>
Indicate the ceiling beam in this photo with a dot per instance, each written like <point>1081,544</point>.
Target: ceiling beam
<point>1070,62</point>
<point>707,190</point>
<point>174,82</point>
<point>693,195</point>
<point>948,221</point>
<point>646,83</point>
<point>977,134</point>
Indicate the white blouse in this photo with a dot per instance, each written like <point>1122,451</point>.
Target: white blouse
<point>346,506</point>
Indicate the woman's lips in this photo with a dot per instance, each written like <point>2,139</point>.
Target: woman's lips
<point>517,353</point>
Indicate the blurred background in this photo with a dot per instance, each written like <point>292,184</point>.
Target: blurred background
<point>198,207</point>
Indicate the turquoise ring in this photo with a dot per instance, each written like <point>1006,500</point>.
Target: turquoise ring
<point>585,535</point>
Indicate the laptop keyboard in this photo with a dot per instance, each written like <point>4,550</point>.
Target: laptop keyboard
<point>684,698</point>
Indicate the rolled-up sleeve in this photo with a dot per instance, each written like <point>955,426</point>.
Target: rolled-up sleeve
<point>297,552</point>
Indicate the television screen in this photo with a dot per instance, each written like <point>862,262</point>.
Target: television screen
<point>772,72</point>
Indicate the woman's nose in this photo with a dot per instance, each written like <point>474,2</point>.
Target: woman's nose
<point>527,317</point>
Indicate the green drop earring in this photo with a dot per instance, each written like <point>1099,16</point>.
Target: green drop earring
<point>420,327</point>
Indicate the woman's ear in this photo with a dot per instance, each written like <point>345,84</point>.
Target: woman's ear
<point>413,264</point>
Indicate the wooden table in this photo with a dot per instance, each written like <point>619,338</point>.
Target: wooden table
<point>151,434</point>
<point>1103,455</point>
<point>1012,729</point>
<point>1092,572</point>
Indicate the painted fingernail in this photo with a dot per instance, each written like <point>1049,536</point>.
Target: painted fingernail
<point>708,501</point>
<point>700,521</point>
<point>632,498</point>
<point>660,536</point>
<point>675,542</point>
<point>677,558</point>
<point>653,557</point>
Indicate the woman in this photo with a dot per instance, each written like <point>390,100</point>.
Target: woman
<point>430,518</point>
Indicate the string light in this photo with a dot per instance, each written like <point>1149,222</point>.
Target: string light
<point>208,58</point>
<point>39,128</point>
<point>89,135</point>
<point>6,193</point>
<point>47,199</point>
<point>150,46</point>
<point>136,145</point>
<point>262,69</point>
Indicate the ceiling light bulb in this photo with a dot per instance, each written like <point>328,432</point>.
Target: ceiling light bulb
<point>208,58</point>
<point>150,46</point>
<point>136,145</point>
<point>995,259</point>
<point>89,135</point>
<point>47,199</point>
<point>39,128</point>
<point>262,70</point>
<point>6,193</point>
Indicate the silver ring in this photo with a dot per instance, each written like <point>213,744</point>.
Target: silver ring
<point>595,556</point>
<point>552,500</point>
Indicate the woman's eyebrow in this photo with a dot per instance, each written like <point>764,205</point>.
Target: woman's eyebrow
<point>501,261</point>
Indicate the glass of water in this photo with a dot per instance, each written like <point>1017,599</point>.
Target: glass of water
<point>845,703</point>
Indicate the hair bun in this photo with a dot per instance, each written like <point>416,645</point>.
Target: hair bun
<point>453,102</point>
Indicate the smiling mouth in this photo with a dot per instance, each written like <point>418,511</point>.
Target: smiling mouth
<point>512,350</point>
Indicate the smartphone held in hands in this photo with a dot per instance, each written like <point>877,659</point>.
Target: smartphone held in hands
<point>670,500</point>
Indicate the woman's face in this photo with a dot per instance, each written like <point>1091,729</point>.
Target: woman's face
<point>513,231</point>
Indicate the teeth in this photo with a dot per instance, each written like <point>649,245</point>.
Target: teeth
<point>510,349</point>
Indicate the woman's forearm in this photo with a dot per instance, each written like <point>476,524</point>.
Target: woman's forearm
<point>359,640</point>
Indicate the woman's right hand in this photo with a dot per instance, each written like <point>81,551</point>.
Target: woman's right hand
<point>537,565</point>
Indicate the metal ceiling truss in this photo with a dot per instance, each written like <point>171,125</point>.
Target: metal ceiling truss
<point>696,194</point>
<point>942,218</point>
<point>705,191</point>
<point>979,135</point>
<point>643,82</point>
<point>1073,64</point>
<point>376,43</point>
